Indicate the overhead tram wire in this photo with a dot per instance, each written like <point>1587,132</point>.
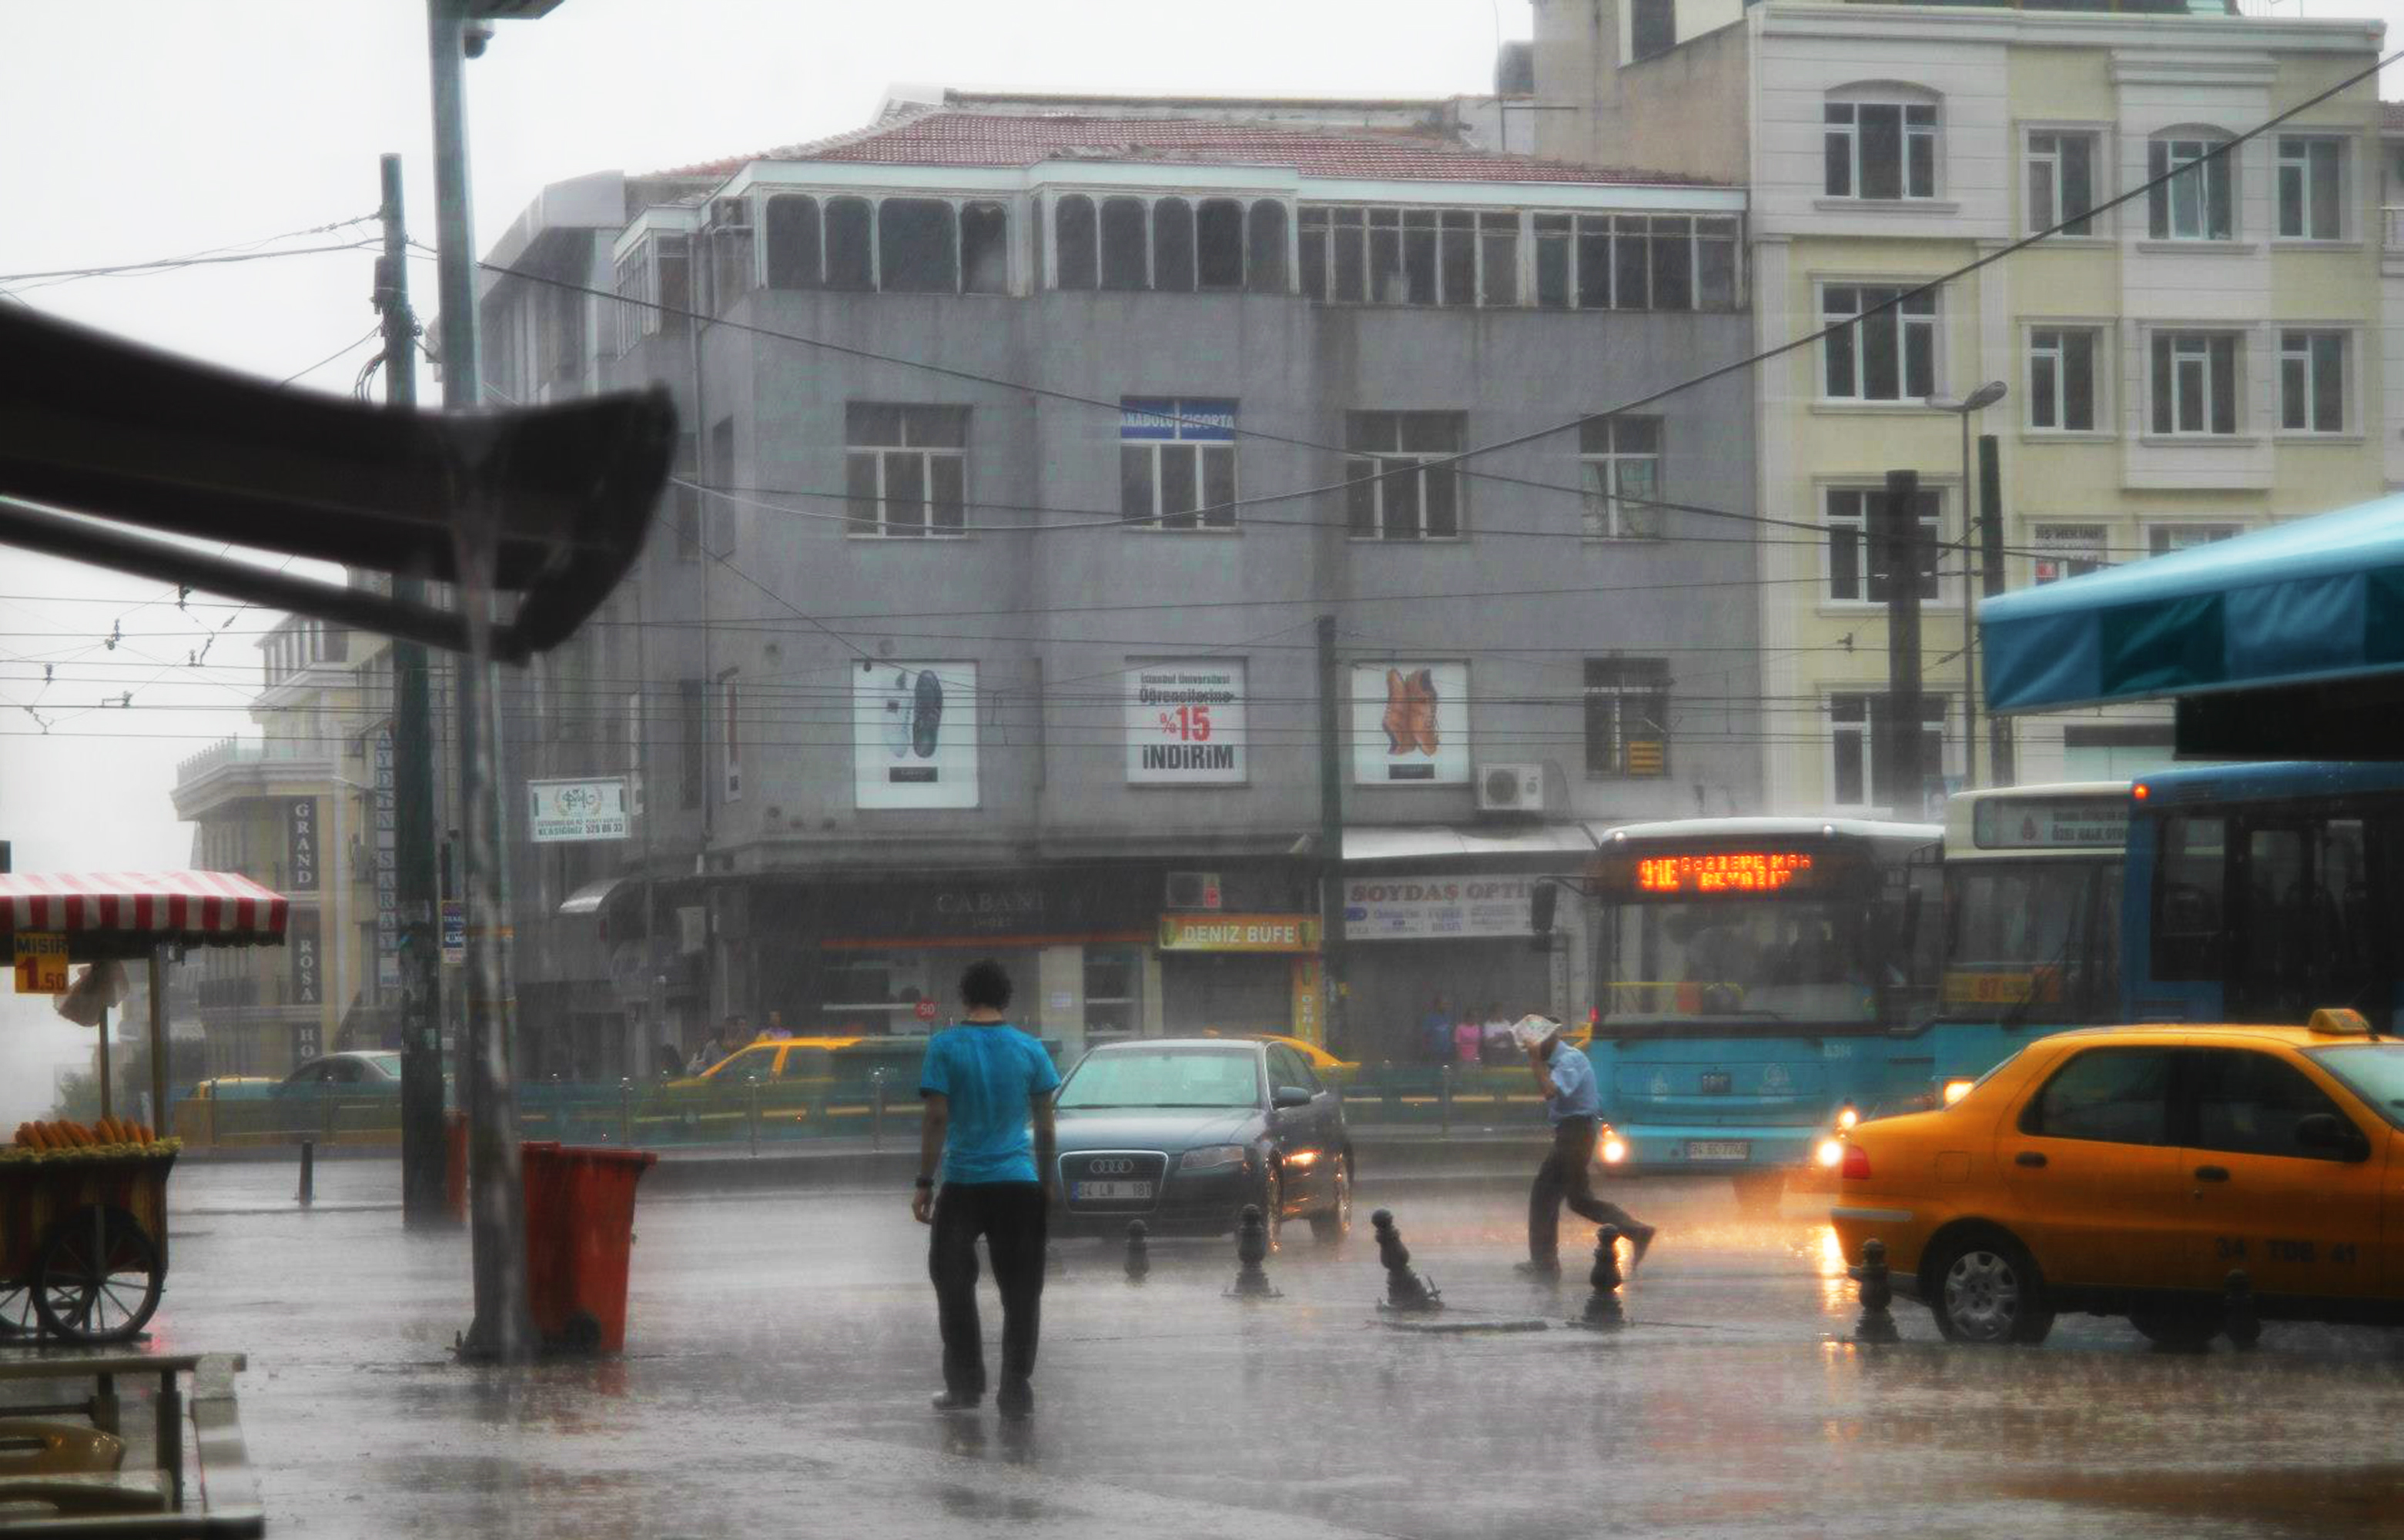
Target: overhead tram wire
<point>173,264</point>
<point>1460,457</point>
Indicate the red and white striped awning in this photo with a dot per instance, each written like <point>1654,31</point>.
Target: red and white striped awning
<point>144,908</point>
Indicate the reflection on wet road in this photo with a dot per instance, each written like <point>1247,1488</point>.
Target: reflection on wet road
<point>782,1353</point>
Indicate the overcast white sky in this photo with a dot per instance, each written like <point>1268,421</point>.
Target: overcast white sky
<point>131,132</point>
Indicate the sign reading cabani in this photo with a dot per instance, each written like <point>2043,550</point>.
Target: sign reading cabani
<point>1185,723</point>
<point>559,811</point>
<point>1412,908</point>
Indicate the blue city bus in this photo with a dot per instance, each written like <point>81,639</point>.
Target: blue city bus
<point>1747,974</point>
<point>2261,892</point>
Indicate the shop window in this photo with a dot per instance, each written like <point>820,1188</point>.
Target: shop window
<point>1072,242</point>
<point>1219,244</point>
<point>1172,246</point>
<point>1177,463</point>
<point>917,246</point>
<point>1113,993</point>
<point>1404,483</point>
<point>1124,263</point>
<point>850,252</point>
<point>793,242</point>
<point>1266,243</point>
<point>985,248</point>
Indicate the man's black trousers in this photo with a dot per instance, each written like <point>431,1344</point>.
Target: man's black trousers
<point>1011,1217</point>
<point>1562,1179</point>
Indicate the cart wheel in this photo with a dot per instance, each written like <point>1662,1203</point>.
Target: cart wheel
<point>17,1316</point>
<point>85,1302</point>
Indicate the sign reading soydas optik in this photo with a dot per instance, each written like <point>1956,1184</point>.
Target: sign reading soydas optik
<point>558,811</point>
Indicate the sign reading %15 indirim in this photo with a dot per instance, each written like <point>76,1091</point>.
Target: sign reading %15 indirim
<point>41,962</point>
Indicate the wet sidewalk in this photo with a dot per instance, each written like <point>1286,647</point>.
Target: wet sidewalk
<point>782,1353</point>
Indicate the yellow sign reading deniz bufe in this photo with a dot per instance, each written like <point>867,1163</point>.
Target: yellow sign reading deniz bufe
<point>41,962</point>
<point>1239,932</point>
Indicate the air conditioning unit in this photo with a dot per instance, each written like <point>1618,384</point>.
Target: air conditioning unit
<point>1193,889</point>
<point>1510,787</point>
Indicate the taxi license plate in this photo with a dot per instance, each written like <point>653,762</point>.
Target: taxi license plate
<point>1109,1192</point>
<point>1719,1149</point>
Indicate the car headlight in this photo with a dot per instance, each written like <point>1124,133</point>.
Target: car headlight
<point>1613,1151</point>
<point>1831,1153</point>
<point>1211,1157</point>
<point>1956,1089</point>
<point>1847,1116</point>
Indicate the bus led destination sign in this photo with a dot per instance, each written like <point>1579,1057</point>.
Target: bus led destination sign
<point>1722,871</point>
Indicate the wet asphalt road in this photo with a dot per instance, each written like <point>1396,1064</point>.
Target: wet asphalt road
<point>781,1354</point>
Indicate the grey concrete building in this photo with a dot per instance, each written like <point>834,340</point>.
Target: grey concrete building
<point>1025,448</point>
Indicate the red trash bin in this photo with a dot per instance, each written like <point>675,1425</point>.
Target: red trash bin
<point>580,1210</point>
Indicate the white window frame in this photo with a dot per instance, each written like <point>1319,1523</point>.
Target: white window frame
<point>1416,479</point>
<point>1933,526</point>
<point>2032,158</point>
<point>1936,714</point>
<point>2193,346</point>
<point>1604,473</point>
<point>1848,128</point>
<point>2299,166</point>
<point>1199,450</point>
<point>881,457</point>
<point>1906,320</point>
<point>2192,166</point>
<point>2295,348</point>
<point>2057,398</point>
<point>2065,546</point>
<point>2224,529</point>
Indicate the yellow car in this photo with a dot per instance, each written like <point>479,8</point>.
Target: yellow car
<point>770,1059</point>
<point>1327,1064</point>
<point>2131,1170</point>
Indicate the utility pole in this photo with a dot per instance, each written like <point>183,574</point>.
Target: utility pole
<point>502,1328</point>
<point>422,1147</point>
<point>1990,565</point>
<point>1331,839</point>
<point>1908,554</point>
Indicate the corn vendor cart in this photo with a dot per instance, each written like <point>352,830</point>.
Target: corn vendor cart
<point>83,1226</point>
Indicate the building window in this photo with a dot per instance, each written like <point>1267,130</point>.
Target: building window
<point>2061,182</point>
<point>1172,245</point>
<point>1619,462</point>
<point>2062,379</point>
<point>1889,354</point>
<point>2196,202</point>
<point>2068,551</point>
<point>2311,187</point>
<point>2163,538</point>
<point>636,319</point>
<point>1074,243</point>
<point>1652,28</point>
<point>1858,732</point>
<point>1169,245</point>
<point>1880,150</point>
<point>692,742</point>
<point>2195,382</point>
<point>905,468</point>
<point>654,281</point>
<point>2311,382</point>
<point>1857,563</point>
<point>731,259</point>
<point>1219,244</point>
<point>901,245</point>
<point>1177,462</point>
<point>1265,246</point>
<point>1404,484</point>
<point>1627,717</point>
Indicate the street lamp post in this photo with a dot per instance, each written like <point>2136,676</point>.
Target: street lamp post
<point>1978,400</point>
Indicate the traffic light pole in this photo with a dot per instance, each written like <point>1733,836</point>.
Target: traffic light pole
<point>422,1147</point>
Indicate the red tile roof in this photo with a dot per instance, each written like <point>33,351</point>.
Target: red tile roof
<point>948,138</point>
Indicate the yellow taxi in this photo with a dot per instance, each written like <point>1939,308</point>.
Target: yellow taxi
<point>2129,1170</point>
<point>1327,1064</point>
<point>769,1059</point>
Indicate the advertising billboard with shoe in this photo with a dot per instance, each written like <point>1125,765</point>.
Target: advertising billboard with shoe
<point>914,735</point>
<point>1410,723</point>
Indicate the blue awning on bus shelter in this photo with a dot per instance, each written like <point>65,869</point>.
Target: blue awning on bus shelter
<point>2282,613</point>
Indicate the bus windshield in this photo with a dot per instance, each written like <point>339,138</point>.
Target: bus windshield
<point>1797,959</point>
<point>2035,932</point>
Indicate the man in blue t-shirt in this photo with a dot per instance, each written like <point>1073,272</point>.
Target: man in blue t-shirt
<point>1574,1103</point>
<point>986,1084</point>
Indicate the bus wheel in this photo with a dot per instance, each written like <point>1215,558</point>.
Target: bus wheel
<point>1758,1192</point>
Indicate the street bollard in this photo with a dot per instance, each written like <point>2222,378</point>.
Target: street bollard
<point>1602,1308</point>
<point>1251,1250</point>
<point>1138,1252</point>
<point>308,1194</point>
<point>752,1092</point>
<point>1876,1324</point>
<point>876,1109</point>
<point>2239,1317</point>
<point>1406,1291</point>
<point>626,1111</point>
<point>1444,1098</point>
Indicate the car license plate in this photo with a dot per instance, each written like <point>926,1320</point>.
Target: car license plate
<point>1109,1192</point>
<point>1717,1083</point>
<point>1719,1149</point>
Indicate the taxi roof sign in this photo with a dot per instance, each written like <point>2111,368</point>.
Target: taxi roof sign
<point>2339,1021</point>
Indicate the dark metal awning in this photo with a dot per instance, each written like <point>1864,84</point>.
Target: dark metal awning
<point>589,899</point>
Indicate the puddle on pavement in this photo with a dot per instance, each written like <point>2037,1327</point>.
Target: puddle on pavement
<point>2305,1499</point>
